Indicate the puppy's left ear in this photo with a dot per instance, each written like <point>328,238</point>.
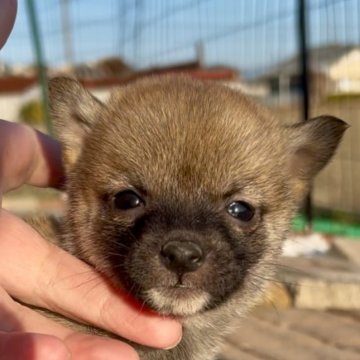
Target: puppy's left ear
<point>312,144</point>
<point>74,111</point>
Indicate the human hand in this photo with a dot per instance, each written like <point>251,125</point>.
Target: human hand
<point>37,272</point>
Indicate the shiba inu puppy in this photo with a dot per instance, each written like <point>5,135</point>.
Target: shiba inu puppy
<point>181,192</point>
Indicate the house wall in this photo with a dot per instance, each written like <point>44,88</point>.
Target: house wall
<point>346,73</point>
<point>9,106</point>
<point>346,86</point>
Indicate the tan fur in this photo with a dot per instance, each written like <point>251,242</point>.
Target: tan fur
<point>191,148</point>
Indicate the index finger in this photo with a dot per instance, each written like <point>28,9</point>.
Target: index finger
<point>28,156</point>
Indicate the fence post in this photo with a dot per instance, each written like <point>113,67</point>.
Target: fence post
<point>40,63</point>
<point>305,87</point>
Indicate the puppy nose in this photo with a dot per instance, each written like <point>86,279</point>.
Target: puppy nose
<point>182,256</point>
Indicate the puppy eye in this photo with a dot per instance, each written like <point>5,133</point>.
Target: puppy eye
<point>127,200</point>
<point>241,210</point>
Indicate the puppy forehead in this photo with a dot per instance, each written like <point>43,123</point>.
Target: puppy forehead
<point>188,132</point>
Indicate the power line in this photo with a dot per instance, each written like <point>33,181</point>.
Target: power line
<point>165,15</point>
<point>242,27</point>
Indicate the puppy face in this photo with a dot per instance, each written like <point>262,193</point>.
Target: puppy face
<point>182,191</point>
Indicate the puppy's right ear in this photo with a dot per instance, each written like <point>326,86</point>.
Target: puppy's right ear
<point>74,111</point>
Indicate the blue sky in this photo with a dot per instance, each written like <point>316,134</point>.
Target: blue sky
<point>246,34</point>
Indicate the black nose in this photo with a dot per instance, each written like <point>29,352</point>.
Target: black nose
<point>182,256</point>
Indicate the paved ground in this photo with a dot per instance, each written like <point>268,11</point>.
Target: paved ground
<point>295,334</point>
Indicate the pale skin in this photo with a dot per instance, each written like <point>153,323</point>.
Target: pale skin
<point>37,272</point>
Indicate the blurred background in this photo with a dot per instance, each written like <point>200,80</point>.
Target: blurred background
<point>301,58</point>
<point>266,48</point>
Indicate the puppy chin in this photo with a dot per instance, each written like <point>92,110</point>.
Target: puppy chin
<point>177,301</point>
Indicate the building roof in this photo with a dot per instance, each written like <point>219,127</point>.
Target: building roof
<point>13,84</point>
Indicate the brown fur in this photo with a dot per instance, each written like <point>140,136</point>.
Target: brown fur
<point>189,148</point>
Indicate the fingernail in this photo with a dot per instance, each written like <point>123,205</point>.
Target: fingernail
<point>178,341</point>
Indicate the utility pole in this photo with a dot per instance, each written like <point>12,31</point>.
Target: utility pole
<point>67,32</point>
<point>200,53</point>
<point>137,30</point>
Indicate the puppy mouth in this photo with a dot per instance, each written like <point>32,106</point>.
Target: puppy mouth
<point>177,300</point>
<point>180,291</point>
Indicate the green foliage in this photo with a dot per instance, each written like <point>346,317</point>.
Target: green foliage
<point>343,97</point>
<point>32,113</point>
<point>331,222</point>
